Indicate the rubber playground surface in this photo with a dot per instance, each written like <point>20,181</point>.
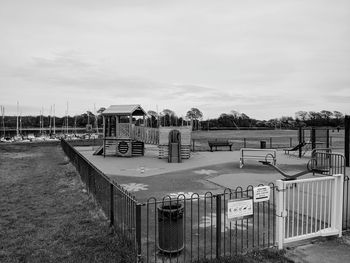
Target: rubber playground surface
<point>148,176</point>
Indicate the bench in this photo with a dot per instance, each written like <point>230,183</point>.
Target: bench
<point>221,143</point>
<point>256,154</point>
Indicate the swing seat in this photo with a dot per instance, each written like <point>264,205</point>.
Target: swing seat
<point>265,162</point>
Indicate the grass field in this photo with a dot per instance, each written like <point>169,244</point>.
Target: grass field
<point>46,214</point>
<point>251,138</point>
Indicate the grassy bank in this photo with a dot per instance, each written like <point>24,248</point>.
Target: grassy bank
<point>46,214</point>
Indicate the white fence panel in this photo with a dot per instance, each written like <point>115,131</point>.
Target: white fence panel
<point>308,208</point>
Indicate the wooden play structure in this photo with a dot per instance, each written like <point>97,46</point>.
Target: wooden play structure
<point>125,135</point>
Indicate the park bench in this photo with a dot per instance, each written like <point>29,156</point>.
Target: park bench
<point>219,143</point>
<point>257,154</point>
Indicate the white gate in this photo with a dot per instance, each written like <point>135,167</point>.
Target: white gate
<point>308,208</point>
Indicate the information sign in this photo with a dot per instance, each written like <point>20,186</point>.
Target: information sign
<point>238,208</point>
<point>261,193</point>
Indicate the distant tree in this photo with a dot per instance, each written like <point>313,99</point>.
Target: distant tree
<point>100,110</point>
<point>326,114</point>
<point>152,113</point>
<point>301,115</point>
<point>244,116</point>
<point>339,118</point>
<point>194,115</point>
<point>168,117</point>
<point>338,115</point>
<point>153,118</point>
<point>236,114</point>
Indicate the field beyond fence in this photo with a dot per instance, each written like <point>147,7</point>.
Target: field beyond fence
<point>274,139</point>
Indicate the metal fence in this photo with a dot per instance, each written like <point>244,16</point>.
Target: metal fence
<point>277,142</point>
<point>196,226</point>
<point>121,208</point>
<point>202,230</point>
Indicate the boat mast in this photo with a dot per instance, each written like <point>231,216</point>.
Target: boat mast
<point>17,129</point>
<point>67,131</point>
<point>54,125</point>
<point>42,120</point>
<point>3,119</point>
<point>20,123</point>
<point>50,120</point>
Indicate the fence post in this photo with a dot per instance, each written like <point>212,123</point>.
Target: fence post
<point>279,214</point>
<point>218,225</point>
<point>338,192</point>
<point>301,140</point>
<point>270,142</point>
<point>244,143</point>
<point>290,142</point>
<point>138,231</point>
<point>111,205</point>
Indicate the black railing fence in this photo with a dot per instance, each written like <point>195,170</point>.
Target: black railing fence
<point>203,230</point>
<point>186,228</point>
<point>118,205</point>
<point>276,142</point>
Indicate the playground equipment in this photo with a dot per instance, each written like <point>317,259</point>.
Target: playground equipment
<point>174,143</point>
<point>125,136</point>
<point>310,139</point>
<point>257,154</point>
<point>322,161</point>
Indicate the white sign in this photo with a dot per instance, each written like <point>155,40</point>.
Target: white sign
<point>261,193</point>
<point>239,208</point>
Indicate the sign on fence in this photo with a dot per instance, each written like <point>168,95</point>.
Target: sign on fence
<point>261,193</point>
<point>238,208</point>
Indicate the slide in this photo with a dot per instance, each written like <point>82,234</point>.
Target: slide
<point>295,148</point>
<point>99,151</point>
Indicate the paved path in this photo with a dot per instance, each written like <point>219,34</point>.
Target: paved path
<point>324,251</point>
<point>148,176</point>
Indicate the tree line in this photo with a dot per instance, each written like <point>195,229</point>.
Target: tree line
<point>194,117</point>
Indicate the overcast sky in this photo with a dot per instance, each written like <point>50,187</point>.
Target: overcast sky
<point>266,58</point>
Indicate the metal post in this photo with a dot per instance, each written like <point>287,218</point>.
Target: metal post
<point>347,139</point>
<point>327,138</point>
<point>244,143</point>
<point>111,205</point>
<point>279,214</point>
<point>290,142</point>
<point>313,138</point>
<point>270,142</point>
<point>301,140</point>
<point>138,231</point>
<point>339,179</point>
<point>218,226</point>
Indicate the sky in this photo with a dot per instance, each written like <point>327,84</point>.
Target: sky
<point>266,59</point>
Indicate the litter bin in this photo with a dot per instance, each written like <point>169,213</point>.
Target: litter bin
<point>262,144</point>
<point>170,228</point>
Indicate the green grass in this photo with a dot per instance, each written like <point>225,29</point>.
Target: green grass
<point>46,214</point>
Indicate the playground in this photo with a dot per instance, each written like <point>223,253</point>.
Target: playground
<point>147,175</point>
<point>204,199</point>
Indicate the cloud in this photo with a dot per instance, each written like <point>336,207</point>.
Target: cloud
<point>264,59</point>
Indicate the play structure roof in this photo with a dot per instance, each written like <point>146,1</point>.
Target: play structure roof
<point>135,110</point>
